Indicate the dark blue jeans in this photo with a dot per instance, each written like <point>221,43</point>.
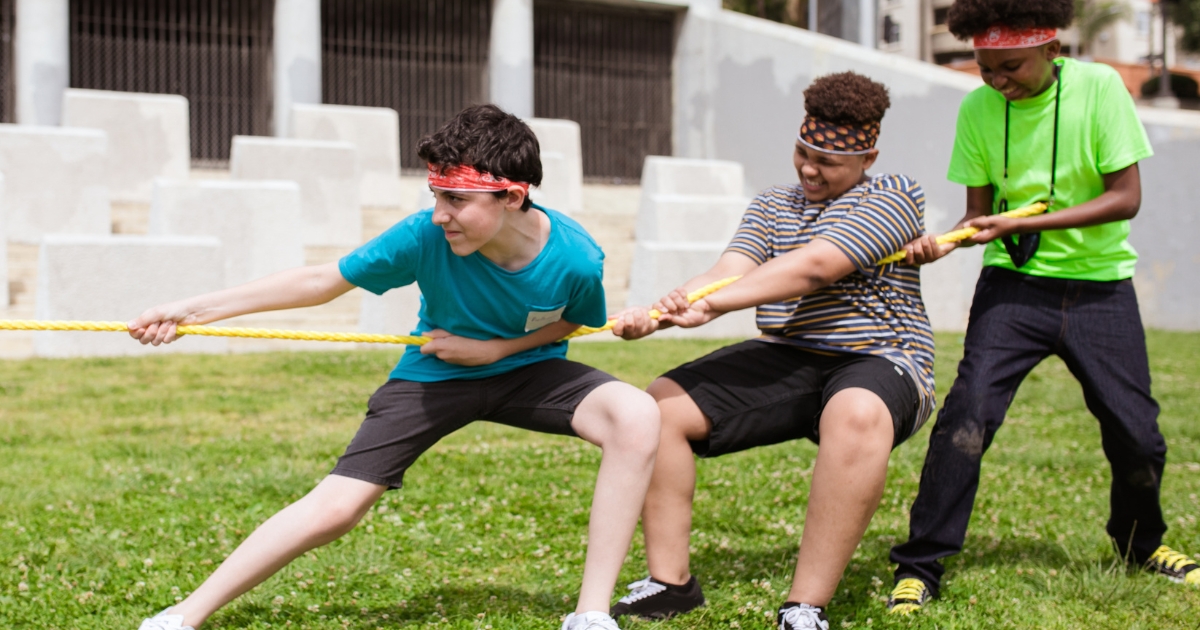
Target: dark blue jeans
<point>1016,321</point>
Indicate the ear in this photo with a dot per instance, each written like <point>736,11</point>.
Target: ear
<point>868,158</point>
<point>514,199</point>
<point>1052,50</point>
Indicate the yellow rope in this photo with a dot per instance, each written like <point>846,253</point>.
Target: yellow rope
<point>655,313</point>
<point>966,233</point>
<point>413,340</point>
<point>303,335</point>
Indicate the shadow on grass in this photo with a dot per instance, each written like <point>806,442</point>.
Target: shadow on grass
<point>449,602</point>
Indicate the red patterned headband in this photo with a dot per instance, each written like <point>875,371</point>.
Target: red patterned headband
<point>833,138</point>
<point>1000,37</point>
<point>463,178</point>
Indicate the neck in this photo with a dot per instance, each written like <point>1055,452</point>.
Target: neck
<point>520,240</point>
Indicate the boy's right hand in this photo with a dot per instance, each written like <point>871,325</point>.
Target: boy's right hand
<point>157,324</point>
<point>634,323</point>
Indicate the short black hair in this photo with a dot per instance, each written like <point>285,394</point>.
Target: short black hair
<point>846,98</point>
<point>968,18</point>
<point>490,140</point>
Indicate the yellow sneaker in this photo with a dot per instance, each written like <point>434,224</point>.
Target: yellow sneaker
<point>1175,566</point>
<point>910,594</point>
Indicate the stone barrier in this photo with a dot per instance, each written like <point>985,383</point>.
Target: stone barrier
<point>375,133</point>
<point>55,181</point>
<point>258,222</point>
<point>327,173</point>
<point>148,137</point>
<point>115,278</point>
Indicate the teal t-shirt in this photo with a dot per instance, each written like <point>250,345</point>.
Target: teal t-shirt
<point>471,296</point>
<point>1098,132</point>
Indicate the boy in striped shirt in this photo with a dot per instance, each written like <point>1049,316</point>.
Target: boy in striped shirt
<point>845,358</point>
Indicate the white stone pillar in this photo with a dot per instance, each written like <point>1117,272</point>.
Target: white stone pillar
<point>510,57</point>
<point>297,57</point>
<point>867,17</point>
<point>42,50</point>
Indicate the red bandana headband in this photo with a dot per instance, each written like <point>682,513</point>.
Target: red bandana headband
<point>1000,37</point>
<point>463,178</point>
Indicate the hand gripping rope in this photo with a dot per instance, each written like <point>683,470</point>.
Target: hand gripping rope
<point>413,340</point>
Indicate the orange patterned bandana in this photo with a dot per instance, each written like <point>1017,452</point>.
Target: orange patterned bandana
<point>833,138</point>
<point>463,178</point>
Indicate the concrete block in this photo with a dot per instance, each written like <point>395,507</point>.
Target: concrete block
<point>4,298</point>
<point>684,176</point>
<point>673,218</point>
<point>658,268</point>
<point>55,181</point>
<point>148,137</point>
<point>327,173</point>
<point>562,164</point>
<point>375,133</point>
<point>258,223</point>
<point>393,313</point>
<point>115,278</point>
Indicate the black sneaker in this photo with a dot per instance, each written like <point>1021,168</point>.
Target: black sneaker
<point>794,616</point>
<point>1174,566</point>
<point>652,599</point>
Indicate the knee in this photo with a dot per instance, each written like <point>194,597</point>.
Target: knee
<point>635,423</point>
<point>859,424</point>
<point>329,519</point>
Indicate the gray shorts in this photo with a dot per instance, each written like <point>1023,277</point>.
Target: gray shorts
<point>406,418</point>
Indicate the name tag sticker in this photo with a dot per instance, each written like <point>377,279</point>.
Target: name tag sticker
<point>537,319</point>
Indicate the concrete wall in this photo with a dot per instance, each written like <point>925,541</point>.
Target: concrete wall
<point>148,137</point>
<point>4,298</point>
<point>723,56</point>
<point>258,222</point>
<point>115,278</point>
<point>327,173</point>
<point>375,133</point>
<point>55,181</point>
<point>393,313</point>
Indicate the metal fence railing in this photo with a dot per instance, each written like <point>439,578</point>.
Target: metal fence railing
<point>426,59</point>
<point>7,104</point>
<point>609,69</point>
<point>216,53</point>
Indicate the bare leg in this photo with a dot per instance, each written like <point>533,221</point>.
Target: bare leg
<point>848,481</point>
<point>667,515</point>
<point>330,510</point>
<point>623,421</point>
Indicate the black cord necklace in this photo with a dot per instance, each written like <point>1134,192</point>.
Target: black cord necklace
<point>1022,249</point>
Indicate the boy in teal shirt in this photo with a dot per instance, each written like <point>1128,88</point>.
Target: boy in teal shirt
<point>502,282</point>
<point>1043,128</point>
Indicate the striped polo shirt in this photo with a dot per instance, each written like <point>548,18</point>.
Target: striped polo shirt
<point>874,310</point>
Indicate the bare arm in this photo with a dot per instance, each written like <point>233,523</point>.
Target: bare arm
<point>634,323</point>
<point>465,351</point>
<point>794,274</point>
<point>1121,200</point>
<point>294,288</point>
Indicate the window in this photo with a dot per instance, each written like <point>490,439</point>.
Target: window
<point>891,30</point>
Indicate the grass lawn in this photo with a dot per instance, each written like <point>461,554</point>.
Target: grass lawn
<point>124,481</point>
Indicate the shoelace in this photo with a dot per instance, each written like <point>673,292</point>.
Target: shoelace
<point>908,589</point>
<point>642,589</point>
<point>1170,558</point>
<point>590,621</point>
<point>802,617</point>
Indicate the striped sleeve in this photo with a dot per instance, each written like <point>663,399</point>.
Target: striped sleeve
<point>753,236</point>
<point>889,216</point>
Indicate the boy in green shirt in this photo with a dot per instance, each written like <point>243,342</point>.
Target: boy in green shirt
<point>1043,128</point>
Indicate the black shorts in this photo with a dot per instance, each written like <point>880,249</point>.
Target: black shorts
<point>758,393</point>
<point>406,418</point>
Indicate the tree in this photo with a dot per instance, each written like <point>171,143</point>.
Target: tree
<point>1186,15</point>
<point>1094,16</point>
<point>793,12</point>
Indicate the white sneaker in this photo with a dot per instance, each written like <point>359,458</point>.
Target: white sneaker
<point>163,621</point>
<point>591,620</point>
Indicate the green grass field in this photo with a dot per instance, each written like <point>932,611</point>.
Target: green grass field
<point>124,481</point>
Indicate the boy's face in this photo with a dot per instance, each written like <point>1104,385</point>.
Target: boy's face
<point>827,176</point>
<point>1019,73</point>
<point>472,219</point>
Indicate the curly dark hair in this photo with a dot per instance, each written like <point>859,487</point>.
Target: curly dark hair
<point>846,98</point>
<point>490,140</point>
<point>968,18</point>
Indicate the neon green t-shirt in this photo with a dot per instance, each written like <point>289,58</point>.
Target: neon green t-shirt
<point>1098,132</point>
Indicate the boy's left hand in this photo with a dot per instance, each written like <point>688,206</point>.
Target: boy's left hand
<point>461,350</point>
